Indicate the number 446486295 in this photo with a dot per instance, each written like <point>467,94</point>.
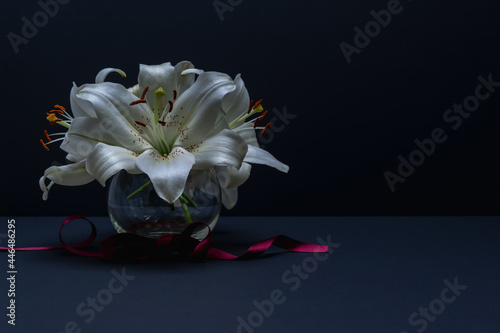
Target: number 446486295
<point>11,234</point>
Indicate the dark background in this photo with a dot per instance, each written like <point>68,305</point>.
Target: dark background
<point>352,120</point>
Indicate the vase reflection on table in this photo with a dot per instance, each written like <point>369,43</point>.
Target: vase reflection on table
<point>136,208</point>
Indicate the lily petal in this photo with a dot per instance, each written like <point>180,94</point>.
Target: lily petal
<point>69,175</point>
<point>111,103</point>
<point>86,132</point>
<point>232,177</point>
<point>79,107</point>
<point>168,174</point>
<point>247,133</point>
<point>197,109</point>
<point>192,71</point>
<point>157,76</point>
<point>105,161</point>
<point>229,197</point>
<point>184,81</point>
<point>260,156</point>
<point>101,76</point>
<point>135,90</point>
<point>237,101</point>
<point>226,148</point>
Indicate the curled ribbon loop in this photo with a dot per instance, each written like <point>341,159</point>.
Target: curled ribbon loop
<point>128,246</point>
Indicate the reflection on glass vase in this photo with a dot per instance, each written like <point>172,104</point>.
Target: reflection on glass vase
<point>143,212</point>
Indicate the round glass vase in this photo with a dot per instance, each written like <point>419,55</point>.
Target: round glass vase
<point>145,213</point>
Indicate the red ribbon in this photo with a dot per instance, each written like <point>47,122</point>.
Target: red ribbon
<point>128,246</point>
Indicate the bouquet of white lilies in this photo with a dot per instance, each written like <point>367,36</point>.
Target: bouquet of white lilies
<point>176,119</point>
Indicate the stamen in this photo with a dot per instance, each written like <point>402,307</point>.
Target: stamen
<point>250,107</point>
<point>47,135</point>
<point>265,128</point>
<point>140,123</point>
<point>44,145</point>
<point>260,118</point>
<point>57,111</point>
<point>144,92</point>
<point>57,106</point>
<point>264,114</point>
<point>162,123</point>
<point>170,105</point>
<point>53,119</point>
<point>138,102</point>
<point>175,95</point>
<point>257,103</point>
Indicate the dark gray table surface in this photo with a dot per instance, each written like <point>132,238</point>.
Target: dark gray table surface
<point>384,274</point>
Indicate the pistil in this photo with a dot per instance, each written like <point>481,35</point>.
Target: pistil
<point>159,93</point>
<point>252,109</point>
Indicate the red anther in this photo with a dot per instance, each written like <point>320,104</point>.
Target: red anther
<point>138,101</point>
<point>47,135</point>
<point>170,106</point>
<point>44,145</point>
<point>256,121</point>
<point>257,103</point>
<point>56,111</point>
<point>265,128</point>
<point>250,107</point>
<point>144,92</point>
<point>59,107</point>
<point>140,123</point>
<point>162,123</point>
<point>259,119</point>
<point>175,95</point>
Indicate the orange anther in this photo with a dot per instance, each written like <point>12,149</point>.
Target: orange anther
<point>138,101</point>
<point>265,128</point>
<point>59,107</point>
<point>175,95</point>
<point>257,103</point>
<point>144,92</point>
<point>140,123</point>
<point>44,145</point>
<point>250,107</point>
<point>256,121</point>
<point>53,119</point>
<point>57,111</point>
<point>47,135</point>
<point>171,106</point>
<point>161,122</point>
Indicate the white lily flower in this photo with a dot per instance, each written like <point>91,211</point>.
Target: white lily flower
<point>237,110</point>
<point>165,133</point>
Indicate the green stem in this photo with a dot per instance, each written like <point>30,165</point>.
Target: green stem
<point>186,209</point>
<point>140,189</point>
<point>188,198</point>
<point>182,199</point>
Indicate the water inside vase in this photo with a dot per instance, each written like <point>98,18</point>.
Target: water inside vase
<point>145,213</point>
